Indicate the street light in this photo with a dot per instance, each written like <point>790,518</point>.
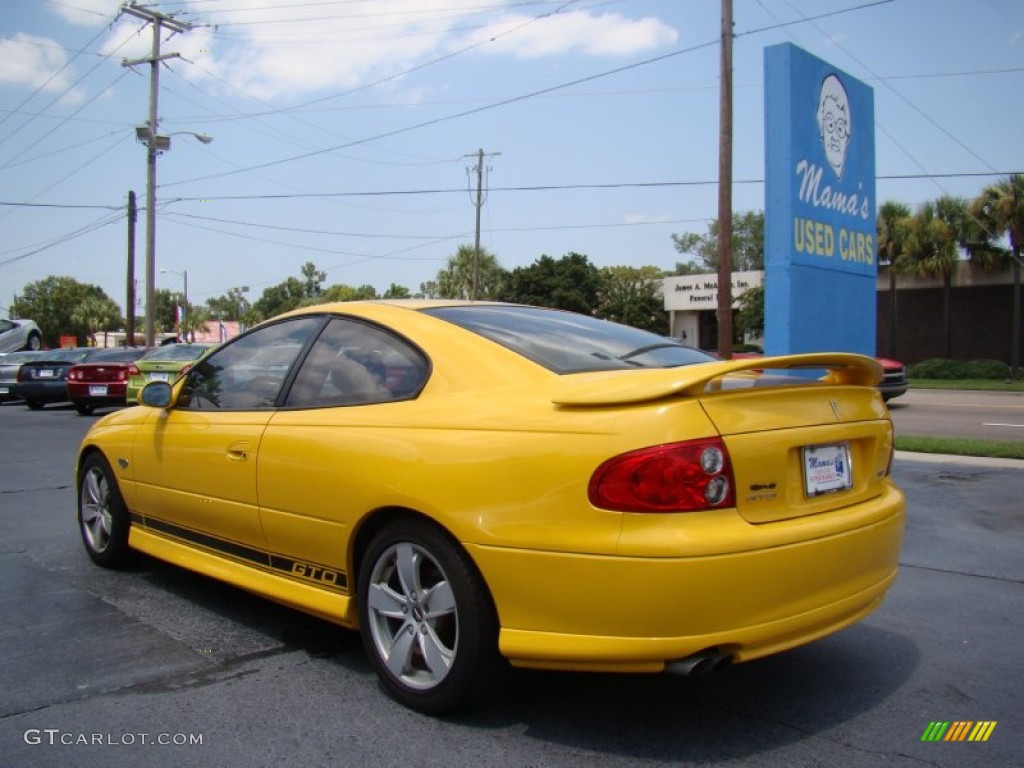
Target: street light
<point>155,144</point>
<point>184,303</point>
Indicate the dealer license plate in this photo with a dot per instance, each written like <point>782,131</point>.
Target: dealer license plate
<point>98,390</point>
<point>827,468</point>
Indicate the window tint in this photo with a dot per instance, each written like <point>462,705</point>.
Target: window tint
<point>566,342</point>
<point>178,352</point>
<point>353,363</point>
<point>248,373</point>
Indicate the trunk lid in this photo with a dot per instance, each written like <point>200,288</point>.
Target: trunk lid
<point>806,433</point>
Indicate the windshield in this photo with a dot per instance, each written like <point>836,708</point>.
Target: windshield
<point>177,352</point>
<point>566,342</point>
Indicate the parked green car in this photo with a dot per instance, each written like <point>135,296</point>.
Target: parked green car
<point>164,363</point>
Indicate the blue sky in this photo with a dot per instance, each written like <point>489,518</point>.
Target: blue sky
<point>345,130</point>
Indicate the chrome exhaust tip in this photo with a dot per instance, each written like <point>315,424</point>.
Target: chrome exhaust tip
<point>699,664</point>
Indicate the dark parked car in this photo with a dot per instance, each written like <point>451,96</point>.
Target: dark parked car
<point>45,379</point>
<point>9,366</point>
<point>102,380</point>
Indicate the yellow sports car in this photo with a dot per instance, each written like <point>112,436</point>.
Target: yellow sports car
<point>476,484</point>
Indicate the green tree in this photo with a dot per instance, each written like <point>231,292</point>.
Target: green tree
<point>999,209</point>
<point>292,293</point>
<point>632,296</point>
<point>312,279</point>
<point>571,283</point>
<point>342,292</point>
<point>51,302</point>
<point>233,305</point>
<point>283,297</point>
<point>750,316</point>
<point>462,272</point>
<point>165,310</point>
<point>396,291</point>
<point>932,249</point>
<point>747,246</point>
<point>893,224</point>
<point>97,314</point>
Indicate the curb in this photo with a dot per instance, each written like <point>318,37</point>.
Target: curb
<point>945,458</point>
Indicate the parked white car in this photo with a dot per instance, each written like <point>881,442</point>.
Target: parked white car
<point>16,335</point>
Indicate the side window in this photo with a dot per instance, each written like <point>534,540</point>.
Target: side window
<point>248,373</point>
<point>355,363</point>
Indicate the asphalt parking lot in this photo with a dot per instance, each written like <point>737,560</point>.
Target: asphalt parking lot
<point>99,667</point>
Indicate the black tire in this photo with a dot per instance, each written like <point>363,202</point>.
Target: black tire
<point>102,515</point>
<point>35,405</point>
<point>85,409</point>
<point>35,342</point>
<point>434,643</point>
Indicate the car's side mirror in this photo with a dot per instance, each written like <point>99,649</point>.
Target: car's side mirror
<point>156,394</point>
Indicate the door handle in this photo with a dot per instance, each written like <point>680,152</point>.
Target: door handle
<point>238,451</point>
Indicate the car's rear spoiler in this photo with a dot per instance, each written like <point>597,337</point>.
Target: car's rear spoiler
<point>640,385</point>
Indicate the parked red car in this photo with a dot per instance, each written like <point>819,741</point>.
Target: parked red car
<point>894,375</point>
<point>894,379</point>
<point>101,381</point>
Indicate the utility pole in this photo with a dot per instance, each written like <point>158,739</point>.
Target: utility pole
<point>133,216</point>
<point>725,188</point>
<point>154,143</point>
<point>478,203</point>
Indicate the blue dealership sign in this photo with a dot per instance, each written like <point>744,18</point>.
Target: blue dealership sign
<point>820,234</point>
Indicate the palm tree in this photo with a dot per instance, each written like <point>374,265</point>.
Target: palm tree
<point>97,314</point>
<point>932,250</point>
<point>465,271</point>
<point>1000,210</point>
<point>893,230</point>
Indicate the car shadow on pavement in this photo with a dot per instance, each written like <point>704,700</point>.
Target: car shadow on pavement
<point>731,714</point>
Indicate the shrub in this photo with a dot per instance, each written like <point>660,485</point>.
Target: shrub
<point>938,368</point>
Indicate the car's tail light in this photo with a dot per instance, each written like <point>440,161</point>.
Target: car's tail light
<point>678,477</point>
<point>133,370</point>
<point>74,375</point>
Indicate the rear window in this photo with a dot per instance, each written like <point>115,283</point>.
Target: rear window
<point>115,355</point>
<point>566,342</point>
<point>178,352</point>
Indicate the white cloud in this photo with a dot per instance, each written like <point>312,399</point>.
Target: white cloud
<point>34,62</point>
<point>608,34</point>
<point>295,47</point>
<point>86,13</point>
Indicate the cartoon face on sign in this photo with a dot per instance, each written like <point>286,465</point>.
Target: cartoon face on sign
<point>835,124</point>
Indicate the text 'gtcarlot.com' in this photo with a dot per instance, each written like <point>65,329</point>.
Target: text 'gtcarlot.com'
<point>55,736</point>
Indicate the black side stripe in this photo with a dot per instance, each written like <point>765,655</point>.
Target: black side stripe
<point>301,570</point>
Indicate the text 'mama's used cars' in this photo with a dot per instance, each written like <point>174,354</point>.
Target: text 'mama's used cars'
<point>477,484</point>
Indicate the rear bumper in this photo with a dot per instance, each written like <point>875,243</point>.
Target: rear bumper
<point>635,614</point>
<point>889,390</point>
<point>80,393</point>
<point>43,391</point>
